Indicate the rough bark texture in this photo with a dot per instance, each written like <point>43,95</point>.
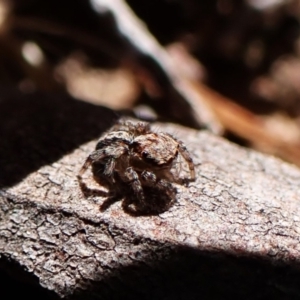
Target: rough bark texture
<point>234,232</point>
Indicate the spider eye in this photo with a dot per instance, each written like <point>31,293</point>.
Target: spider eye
<point>148,158</point>
<point>145,153</point>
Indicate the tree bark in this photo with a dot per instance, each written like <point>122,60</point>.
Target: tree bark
<point>234,231</point>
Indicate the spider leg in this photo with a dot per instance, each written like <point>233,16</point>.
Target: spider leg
<point>87,191</point>
<point>186,155</point>
<point>150,179</point>
<point>132,177</point>
<point>174,176</point>
<point>103,162</point>
<point>115,153</point>
<point>108,156</point>
<point>109,167</point>
<point>96,155</point>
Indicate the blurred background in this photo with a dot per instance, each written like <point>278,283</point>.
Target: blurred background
<point>240,59</point>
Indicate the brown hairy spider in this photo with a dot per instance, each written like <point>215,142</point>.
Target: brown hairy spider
<point>133,155</point>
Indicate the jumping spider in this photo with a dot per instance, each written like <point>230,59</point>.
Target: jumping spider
<point>133,155</point>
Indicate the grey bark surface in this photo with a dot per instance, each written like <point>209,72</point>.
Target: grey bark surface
<point>235,231</point>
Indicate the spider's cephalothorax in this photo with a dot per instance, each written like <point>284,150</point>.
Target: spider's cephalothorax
<point>136,156</point>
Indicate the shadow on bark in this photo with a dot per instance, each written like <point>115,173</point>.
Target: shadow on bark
<point>192,274</point>
<point>38,129</point>
<point>16,283</point>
